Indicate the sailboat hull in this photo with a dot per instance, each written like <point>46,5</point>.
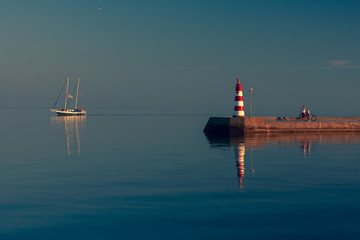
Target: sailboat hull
<point>70,113</point>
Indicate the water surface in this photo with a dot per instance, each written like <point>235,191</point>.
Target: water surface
<point>137,176</point>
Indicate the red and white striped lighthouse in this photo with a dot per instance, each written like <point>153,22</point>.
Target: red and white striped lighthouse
<point>239,102</point>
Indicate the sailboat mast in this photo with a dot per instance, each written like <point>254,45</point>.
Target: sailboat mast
<point>67,91</point>
<point>77,93</point>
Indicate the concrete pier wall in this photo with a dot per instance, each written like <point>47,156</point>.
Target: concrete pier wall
<point>282,124</point>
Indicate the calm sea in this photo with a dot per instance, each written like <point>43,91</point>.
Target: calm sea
<point>138,176</point>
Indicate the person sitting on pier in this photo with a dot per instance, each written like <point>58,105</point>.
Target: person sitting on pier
<point>303,111</point>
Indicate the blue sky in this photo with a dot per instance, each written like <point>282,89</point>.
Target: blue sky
<point>183,56</point>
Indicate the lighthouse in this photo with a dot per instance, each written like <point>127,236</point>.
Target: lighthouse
<point>239,101</point>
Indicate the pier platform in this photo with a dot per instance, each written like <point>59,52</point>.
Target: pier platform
<point>242,125</point>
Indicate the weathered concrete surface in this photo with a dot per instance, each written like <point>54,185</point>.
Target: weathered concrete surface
<point>282,124</point>
<point>223,125</point>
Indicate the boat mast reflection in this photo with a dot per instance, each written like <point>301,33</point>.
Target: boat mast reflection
<point>72,126</point>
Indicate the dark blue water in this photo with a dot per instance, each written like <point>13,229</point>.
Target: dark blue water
<point>125,176</point>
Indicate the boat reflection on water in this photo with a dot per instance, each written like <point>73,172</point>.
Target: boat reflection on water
<point>257,141</point>
<point>72,126</point>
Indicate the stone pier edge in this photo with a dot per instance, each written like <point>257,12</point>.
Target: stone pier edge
<point>283,124</point>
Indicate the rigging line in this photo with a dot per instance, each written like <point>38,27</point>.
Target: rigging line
<point>59,95</point>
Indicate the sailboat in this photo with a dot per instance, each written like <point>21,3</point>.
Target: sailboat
<point>70,112</point>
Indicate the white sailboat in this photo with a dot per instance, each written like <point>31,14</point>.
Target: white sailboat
<point>70,112</point>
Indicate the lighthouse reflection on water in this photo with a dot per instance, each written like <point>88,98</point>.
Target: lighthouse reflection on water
<point>240,161</point>
<point>245,147</point>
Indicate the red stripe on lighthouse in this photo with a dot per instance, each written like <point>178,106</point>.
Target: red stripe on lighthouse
<point>238,87</point>
<point>239,98</point>
<point>239,108</point>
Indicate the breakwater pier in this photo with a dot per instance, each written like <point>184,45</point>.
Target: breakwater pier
<point>282,124</point>
<point>240,124</point>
